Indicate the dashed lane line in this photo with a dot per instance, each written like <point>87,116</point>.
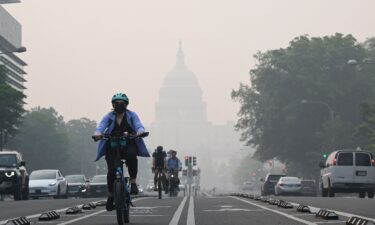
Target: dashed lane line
<point>191,216</point>
<point>177,214</point>
<point>278,212</point>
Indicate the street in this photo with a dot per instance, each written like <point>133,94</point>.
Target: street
<point>201,210</point>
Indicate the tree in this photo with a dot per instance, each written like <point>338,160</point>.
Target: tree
<point>43,140</point>
<point>249,168</point>
<point>367,128</point>
<point>272,117</point>
<point>82,149</point>
<point>11,105</point>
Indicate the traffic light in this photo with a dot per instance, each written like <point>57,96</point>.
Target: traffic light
<point>194,161</point>
<point>186,160</point>
<point>325,155</point>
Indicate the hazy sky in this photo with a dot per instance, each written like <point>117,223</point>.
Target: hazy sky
<point>80,52</point>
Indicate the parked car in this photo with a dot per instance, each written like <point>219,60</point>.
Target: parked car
<point>247,186</point>
<point>270,181</point>
<point>44,183</point>
<point>98,186</point>
<point>79,185</point>
<point>14,179</point>
<point>288,186</point>
<point>348,171</point>
<point>308,188</point>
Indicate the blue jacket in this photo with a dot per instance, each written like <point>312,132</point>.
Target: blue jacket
<point>108,123</point>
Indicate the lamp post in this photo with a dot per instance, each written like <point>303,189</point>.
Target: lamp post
<point>18,50</point>
<point>331,115</point>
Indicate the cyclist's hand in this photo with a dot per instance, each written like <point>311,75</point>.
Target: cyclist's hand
<point>97,137</point>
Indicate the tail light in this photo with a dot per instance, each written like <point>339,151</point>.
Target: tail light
<point>281,185</point>
<point>334,162</point>
<point>373,162</point>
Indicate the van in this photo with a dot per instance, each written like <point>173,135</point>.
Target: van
<point>348,171</point>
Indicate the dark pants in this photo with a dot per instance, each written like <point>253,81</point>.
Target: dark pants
<point>130,155</point>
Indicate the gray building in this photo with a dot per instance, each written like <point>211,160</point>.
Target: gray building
<point>10,41</point>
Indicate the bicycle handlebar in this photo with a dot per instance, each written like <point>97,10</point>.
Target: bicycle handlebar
<point>124,135</point>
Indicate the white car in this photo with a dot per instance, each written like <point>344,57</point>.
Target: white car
<point>348,171</point>
<point>288,185</point>
<point>44,183</point>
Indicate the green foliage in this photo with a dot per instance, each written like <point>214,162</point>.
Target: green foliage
<point>367,128</point>
<point>43,140</point>
<point>272,117</point>
<point>82,149</point>
<point>11,105</point>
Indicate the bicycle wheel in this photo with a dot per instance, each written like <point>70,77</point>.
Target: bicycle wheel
<point>119,194</point>
<point>126,211</point>
<point>159,186</point>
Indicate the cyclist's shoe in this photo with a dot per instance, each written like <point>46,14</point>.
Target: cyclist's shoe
<point>133,189</point>
<point>109,206</point>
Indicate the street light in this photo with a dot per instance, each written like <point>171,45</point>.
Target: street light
<point>18,50</point>
<point>331,115</point>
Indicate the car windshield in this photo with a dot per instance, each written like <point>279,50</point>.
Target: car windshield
<point>43,175</point>
<point>8,160</point>
<point>99,179</point>
<point>274,178</point>
<point>75,178</point>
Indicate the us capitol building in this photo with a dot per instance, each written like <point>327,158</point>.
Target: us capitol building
<point>181,123</point>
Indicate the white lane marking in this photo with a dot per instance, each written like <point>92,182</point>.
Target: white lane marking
<point>177,214</point>
<point>278,212</point>
<point>90,215</point>
<point>315,209</point>
<point>336,221</point>
<point>191,215</point>
<point>233,210</point>
<point>83,217</point>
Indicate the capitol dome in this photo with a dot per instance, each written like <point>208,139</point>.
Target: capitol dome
<point>180,95</point>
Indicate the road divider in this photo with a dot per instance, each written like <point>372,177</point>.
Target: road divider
<point>284,204</point>
<point>51,215</point>
<point>359,221</point>
<point>328,215</point>
<point>18,221</point>
<point>303,208</point>
<point>73,210</point>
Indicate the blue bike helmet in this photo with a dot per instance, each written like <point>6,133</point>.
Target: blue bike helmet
<point>120,96</point>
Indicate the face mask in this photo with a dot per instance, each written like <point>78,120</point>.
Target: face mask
<point>120,108</point>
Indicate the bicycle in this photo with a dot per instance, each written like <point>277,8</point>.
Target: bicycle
<point>159,181</point>
<point>173,183</point>
<point>121,185</point>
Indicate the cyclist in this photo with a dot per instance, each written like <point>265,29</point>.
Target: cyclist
<point>174,165</point>
<point>159,162</point>
<point>118,121</point>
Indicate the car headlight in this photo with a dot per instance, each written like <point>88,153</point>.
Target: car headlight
<point>10,174</point>
<point>52,184</point>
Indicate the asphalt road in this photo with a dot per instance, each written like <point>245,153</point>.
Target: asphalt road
<point>199,210</point>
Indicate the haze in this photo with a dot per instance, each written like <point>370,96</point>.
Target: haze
<point>80,52</point>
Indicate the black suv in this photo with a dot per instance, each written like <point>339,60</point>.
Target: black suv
<point>270,181</point>
<point>14,179</point>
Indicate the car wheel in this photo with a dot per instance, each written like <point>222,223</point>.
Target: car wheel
<point>66,193</point>
<point>58,193</point>
<point>17,193</point>
<point>362,194</point>
<point>25,193</point>
<point>331,192</point>
<point>370,193</point>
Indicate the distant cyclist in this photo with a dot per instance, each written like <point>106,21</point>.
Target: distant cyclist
<point>159,164</point>
<point>174,164</point>
<point>118,121</point>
